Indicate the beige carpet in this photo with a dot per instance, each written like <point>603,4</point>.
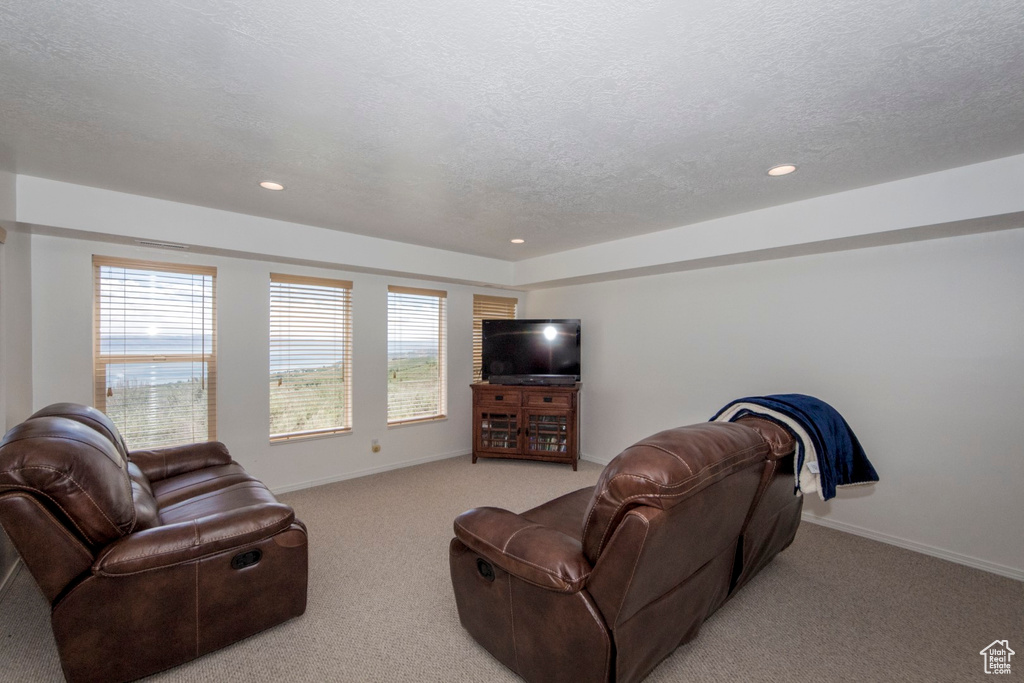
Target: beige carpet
<point>833,607</point>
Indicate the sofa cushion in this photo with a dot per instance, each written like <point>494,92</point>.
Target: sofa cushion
<point>234,497</point>
<point>663,470</point>
<point>191,484</point>
<point>170,461</point>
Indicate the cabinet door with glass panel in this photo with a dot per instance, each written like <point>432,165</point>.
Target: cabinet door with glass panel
<point>546,432</point>
<point>497,421</point>
<point>498,430</point>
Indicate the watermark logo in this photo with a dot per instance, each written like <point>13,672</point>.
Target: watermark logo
<point>997,657</point>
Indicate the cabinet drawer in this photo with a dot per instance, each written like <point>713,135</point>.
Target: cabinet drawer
<point>545,400</point>
<point>499,396</point>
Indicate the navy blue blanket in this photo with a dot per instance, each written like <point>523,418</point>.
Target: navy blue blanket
<point>818,429</point>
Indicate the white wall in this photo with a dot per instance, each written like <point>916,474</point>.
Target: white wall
<point>920,346</point>
<point>62,362</point>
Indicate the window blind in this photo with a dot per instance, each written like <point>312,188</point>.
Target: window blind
<point>417,376</point>
<point>487,308</point>
<point>310,356</point>
<point>155,350</point>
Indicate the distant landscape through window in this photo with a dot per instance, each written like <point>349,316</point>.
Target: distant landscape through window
<point>310,356</point>
<point>155,350</point>
<point>417,376</point>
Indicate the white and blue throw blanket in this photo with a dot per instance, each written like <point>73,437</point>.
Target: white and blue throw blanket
<point>828,453</point>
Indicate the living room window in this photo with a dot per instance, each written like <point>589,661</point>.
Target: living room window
<point>417,373</point>
<point>310,356</point>
<point>155,350</point>
<point>489,308</point>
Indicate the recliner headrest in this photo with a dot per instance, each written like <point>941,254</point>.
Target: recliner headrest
<point>77,469</point>
<point>90,417</point>
<point>663,470</point>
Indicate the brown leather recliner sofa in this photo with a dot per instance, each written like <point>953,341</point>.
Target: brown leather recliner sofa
<point>149,558</point>
<point>602,584</point>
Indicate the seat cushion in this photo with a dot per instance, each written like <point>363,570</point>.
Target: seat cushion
<point>191,484</point>
<point>233,497</point>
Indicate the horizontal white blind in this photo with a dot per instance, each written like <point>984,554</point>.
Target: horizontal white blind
<point>155,350</point>
<point>488,308</point>
<point>310,356</point>
<point>417,376</point>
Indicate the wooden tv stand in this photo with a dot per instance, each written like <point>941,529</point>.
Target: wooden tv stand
<point>526,422</point>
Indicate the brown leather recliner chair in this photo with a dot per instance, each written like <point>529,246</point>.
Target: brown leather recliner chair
<point>149,558</point>
<point>604,583</point>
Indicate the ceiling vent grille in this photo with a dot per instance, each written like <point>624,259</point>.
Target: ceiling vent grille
<point>161,245</point>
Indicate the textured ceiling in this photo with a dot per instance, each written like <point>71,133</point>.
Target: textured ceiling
<point>462,124</point>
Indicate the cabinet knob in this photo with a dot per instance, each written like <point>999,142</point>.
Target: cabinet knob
<point>547,399</point>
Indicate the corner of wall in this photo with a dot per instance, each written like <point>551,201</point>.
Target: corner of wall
<point>15,328</point>
<point>13,247</point>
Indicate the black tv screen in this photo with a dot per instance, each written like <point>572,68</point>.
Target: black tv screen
<point>531,351</point>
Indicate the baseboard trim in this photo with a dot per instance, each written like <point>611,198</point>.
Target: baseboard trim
<point>365,472</point>
<point>966,560</point>
<point>591,458</point>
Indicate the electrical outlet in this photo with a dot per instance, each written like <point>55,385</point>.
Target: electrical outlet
<point>375,446</point>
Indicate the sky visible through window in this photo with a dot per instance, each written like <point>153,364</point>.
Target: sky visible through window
<point>153,313</point>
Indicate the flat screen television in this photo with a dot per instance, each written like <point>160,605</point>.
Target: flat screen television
<point>531,351</point>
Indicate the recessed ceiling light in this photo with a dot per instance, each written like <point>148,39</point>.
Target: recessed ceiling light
<point>781,169</point>
<point>271,185</point>
<point>517,240</point>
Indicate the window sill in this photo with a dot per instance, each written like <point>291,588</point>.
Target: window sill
<point>309,436</point>
<point>417,421</point>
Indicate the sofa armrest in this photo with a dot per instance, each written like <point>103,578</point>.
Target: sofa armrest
<point>534,553</point>
<point>172,544</point>
<point>161,463</point>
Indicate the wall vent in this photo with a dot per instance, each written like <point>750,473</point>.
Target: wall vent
<point>161,245</point>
